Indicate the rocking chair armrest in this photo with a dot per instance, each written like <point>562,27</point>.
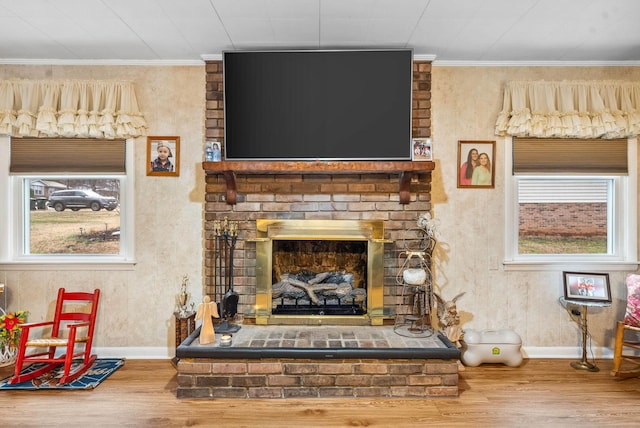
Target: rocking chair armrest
<point>75,325</point>
<point>28,325</point>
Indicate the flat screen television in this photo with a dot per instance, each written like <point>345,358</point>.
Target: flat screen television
<point>318,105</point>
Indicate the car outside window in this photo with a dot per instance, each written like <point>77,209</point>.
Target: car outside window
<point>78,199</point>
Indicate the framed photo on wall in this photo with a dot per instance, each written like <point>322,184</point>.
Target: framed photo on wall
<point>163,156</point>
<point>476,166</point>
<point>587,287</point>
<point>422,149</point>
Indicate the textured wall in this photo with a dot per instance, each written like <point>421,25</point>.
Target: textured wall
<point>466,102</point>
<point>138,304</point>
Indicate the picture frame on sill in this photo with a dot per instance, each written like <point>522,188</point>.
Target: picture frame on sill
<point>422,149</point>
<point>587,287</point>
<point>163,156</point>
<point>476,164</point>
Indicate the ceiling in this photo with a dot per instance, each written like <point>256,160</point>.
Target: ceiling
<point>183,31</point>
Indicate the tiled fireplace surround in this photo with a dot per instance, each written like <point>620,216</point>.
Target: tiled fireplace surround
<point>325,196</point>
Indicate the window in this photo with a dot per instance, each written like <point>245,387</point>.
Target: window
<point>70,201</point>
<point>570,203</point>
<point>565,215</point>
<point>82,221</point>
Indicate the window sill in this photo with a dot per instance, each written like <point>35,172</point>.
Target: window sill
<point>57,265</point>
<point>589,266</point>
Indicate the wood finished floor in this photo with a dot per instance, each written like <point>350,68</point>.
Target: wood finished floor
<point>540,393</point>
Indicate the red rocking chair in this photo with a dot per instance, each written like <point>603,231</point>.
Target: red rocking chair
<point>72,327</point>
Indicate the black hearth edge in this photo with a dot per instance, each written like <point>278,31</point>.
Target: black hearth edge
<point>185,350</point>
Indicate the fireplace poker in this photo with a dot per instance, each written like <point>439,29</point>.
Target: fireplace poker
<point>231,297</point>
<point>224,263</point>
<point>229,303</point>
<point>216,262</point>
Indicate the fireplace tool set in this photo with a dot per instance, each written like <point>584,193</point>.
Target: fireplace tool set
<point>226,235</point>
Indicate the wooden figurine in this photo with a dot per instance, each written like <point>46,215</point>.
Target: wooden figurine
<point>207,310</point>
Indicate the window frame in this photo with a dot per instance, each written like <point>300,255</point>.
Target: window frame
<point>12,256</point>
<point>624,239</point>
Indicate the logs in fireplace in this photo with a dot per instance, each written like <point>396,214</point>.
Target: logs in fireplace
<point>326,293</point>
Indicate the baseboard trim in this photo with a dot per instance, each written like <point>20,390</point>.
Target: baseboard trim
<point>566,352</point>
<point>136,353</point>
<point>152,353</point>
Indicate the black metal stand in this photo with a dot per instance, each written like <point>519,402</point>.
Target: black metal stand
<point>225,327</point>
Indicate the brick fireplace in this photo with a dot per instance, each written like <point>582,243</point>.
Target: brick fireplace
<point>345,360</point>
<point>320,191</point>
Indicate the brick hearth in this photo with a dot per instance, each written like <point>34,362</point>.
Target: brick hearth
<point>328,361</point>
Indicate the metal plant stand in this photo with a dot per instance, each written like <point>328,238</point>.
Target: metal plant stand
<point>413,314</point>
<point>584,364</point>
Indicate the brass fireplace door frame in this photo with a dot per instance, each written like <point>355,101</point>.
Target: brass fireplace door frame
<point>371,231</point>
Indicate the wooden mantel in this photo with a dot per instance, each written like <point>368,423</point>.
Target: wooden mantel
<point>404,169</point>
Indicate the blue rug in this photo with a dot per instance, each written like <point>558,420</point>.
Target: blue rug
<point>99,371</point>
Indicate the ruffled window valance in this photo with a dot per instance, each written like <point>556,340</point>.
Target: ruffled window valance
<point>571,109</point>
<point>70,108</point>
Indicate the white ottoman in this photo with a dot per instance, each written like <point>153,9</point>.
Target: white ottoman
<point>491,346</point>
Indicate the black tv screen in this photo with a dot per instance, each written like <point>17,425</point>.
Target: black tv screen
<point>318,105</point>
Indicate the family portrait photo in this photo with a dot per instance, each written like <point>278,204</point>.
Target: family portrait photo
<point>476,168</point>
<point>163,156</point>
<point>588,287</point>
<point>422,149</point>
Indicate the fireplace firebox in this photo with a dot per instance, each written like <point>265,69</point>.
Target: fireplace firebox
<point>315,272</point>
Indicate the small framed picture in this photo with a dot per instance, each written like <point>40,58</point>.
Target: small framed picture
<point>422,149</point>
<point>163,156</point>
<point>587,287</point>
<point>476,164</point>
<point>212,151</point>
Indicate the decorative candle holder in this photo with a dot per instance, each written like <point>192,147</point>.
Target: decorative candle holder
<point>225,340</point>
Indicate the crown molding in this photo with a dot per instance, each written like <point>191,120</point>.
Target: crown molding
<point>424,57</point>
<point>450,63</point>
<point>218,57</point>
<point>111,62</point>
<point>211,57</point>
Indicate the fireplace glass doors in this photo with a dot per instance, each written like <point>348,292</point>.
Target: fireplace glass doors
<point>318,272</point>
